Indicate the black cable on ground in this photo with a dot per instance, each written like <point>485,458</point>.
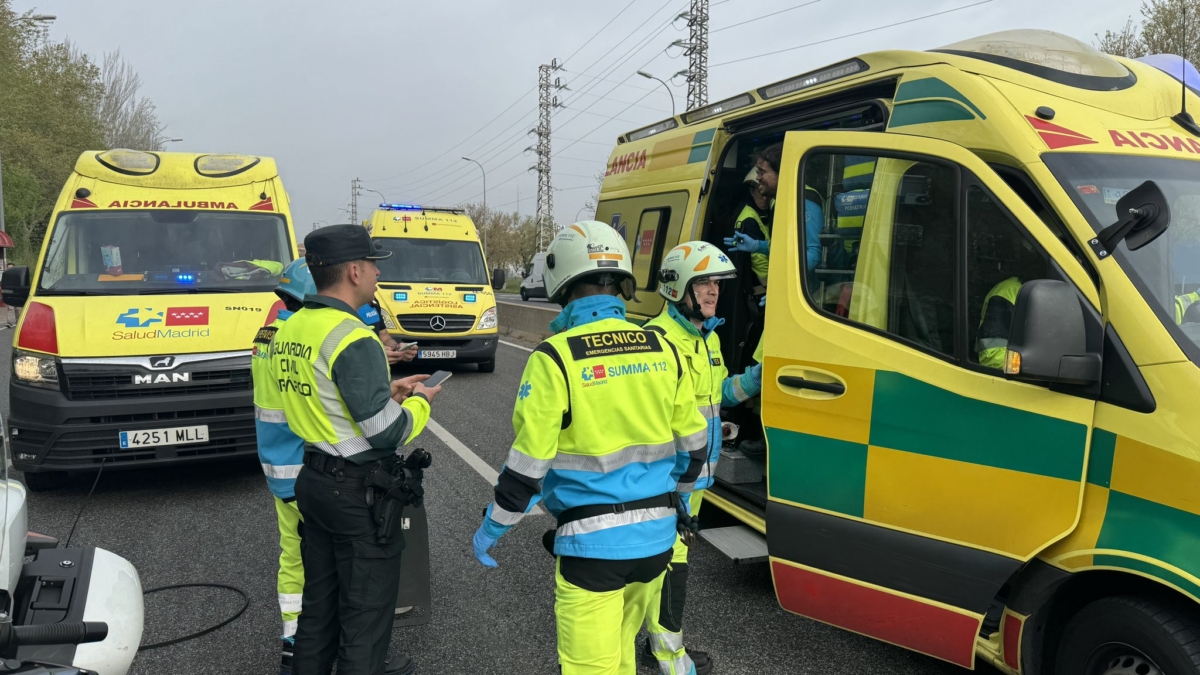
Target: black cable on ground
<point>206,631</point>
<point>85,503</point>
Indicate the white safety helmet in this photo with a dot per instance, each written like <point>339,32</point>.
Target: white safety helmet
<point>587,248</point>
<point>689,262</point>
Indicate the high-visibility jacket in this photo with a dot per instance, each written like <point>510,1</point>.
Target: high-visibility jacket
<point>751,222</point>
<point>1182,303</point>
<point>996,322</point>
<point>857,177</point>
<point>605,414</point>
<point>280,451</point>
<point>362,424</point>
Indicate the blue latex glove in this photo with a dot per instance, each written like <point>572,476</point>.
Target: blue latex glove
<point>763,302</point>
<point>744,243</point>
<point>482,542</point>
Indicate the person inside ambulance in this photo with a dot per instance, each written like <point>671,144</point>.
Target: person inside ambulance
<point>690,279</point>
<point>755,221</point>
<point>607,430</point>
<point>1187,308</point>
<point>997,254</point>
<point>766,168</point>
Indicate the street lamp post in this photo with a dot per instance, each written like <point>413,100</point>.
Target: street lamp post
<point>664,84</point>
<point>579,212</point>
<point>381,195</point>
<point>485,211</point>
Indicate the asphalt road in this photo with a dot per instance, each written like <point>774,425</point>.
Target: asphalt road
<point>216,523</point>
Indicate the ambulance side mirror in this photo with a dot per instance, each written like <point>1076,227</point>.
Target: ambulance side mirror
<point>498,279</point>
<point>15,284</point>
<point>1048,340</point>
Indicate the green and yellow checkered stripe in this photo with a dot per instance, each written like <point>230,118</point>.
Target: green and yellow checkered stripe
<point>899,452</point>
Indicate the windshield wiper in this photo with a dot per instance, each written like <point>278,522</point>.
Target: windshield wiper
<point>53,291</point>
<point>192,291</point>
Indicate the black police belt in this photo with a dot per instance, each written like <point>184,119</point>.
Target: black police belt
<point>390,484</point>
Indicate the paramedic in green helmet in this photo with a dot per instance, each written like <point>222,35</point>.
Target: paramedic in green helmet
<point>281,453</point>
<point>690,279</point>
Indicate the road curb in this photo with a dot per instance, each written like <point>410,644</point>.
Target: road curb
<point>527,322</point>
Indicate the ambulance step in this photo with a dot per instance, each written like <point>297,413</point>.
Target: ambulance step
<point>740,543</point>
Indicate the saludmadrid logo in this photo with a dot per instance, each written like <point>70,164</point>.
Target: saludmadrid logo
<point>161,334</point>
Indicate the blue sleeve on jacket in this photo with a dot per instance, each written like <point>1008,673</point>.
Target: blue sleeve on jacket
<point>814,222</point>
<point>740,388</point>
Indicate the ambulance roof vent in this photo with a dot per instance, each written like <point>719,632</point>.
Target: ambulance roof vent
<point>224,166</point>
<point>129,162</point>
<point>1050,56</point>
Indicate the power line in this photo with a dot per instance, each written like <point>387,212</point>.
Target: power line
<point>593,77</point>
<point>855,33</point>
<point>765,16</point>
<point>589,40</point>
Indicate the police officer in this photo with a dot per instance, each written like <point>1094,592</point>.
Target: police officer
<point>333,375</point>
<point>690,279</point>
<point>372,315</point>
<point>280,452</point>
<point>605,414</point>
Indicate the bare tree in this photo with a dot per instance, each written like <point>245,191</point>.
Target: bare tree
<point>130,120</point>
<point>1126,42</point>
<point>593,201</point>
<point>1172,27</point>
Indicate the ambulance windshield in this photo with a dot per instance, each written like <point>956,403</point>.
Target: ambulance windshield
<point>1167,270</point>
<point>440,260</point>
<point>164,252</point>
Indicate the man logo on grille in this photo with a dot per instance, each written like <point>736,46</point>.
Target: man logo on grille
<point>437,323</point>
<point>162,361</point>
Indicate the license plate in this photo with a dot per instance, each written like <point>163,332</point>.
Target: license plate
<point>437,354</point>
<point>172,436</point>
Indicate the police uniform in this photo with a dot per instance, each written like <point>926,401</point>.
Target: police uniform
<point>606,427</point>
<point>333,376</point>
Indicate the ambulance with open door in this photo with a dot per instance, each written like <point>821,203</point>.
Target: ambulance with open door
<point>1017,196</point>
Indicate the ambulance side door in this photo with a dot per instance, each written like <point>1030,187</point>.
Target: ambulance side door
<point>908,479</point>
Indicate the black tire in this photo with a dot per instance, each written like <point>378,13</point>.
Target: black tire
<point>47,480</point>
<point>524,296</point>
<point>487,366</point>
<point>1128,634</point>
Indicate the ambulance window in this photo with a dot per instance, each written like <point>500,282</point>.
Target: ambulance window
<point>1001,257</point>
<point>646,247</point>
<point>883,254</point>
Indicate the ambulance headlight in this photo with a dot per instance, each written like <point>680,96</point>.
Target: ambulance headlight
<point>488,320</point>
<point>35,369</point>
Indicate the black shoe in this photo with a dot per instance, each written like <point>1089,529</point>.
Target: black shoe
<point>399,665</point>
<point>286,647</point>
<point>646,657</point>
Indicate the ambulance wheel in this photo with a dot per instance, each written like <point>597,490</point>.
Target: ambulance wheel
<point>47,480</point>
<point>487,366</point>
<point>524,296</point>
<point>1129,635</point>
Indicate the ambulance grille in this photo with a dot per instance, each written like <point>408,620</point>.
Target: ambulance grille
<point>117,385</point>
<point>423,323</point>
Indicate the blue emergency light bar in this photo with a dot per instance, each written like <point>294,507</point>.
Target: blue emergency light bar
<point>185,278</point>
<point>400,207</point>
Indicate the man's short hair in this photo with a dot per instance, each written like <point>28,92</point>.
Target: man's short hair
<point>772,155</point>
<point>326,276</point>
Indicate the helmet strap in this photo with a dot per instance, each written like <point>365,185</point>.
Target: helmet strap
<point>692,312</point>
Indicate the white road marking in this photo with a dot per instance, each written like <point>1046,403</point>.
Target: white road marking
<point>481,467</point>
<point>513,344</point>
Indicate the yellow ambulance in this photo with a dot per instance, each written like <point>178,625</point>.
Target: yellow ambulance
<point>435,289</point>
<point>982,361</point>
<point>133,347</point>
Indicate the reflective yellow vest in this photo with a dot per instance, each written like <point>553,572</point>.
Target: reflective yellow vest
<point>1182,303</point>
<point>758,262</point>
<point>995,323</point>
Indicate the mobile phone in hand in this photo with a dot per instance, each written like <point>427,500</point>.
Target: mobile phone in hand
<point>437,378</point>
<point>405,346</point>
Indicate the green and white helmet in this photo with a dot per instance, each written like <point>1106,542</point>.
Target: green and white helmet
<point>688,262</point>
<point>588,248</point>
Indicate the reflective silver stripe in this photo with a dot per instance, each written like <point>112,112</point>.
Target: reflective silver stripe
<point>668,645</point>
<point>519,462</point>
<point>289,627</point>
<point>611,520</point>
<point>270,416</point>
<point>667,642</point>
<point>346,448</point>
<point>990,343</point>
<point>615,460</point>
<point>739,394</point>
<point>676,666</point>
<point>686,488</point>
<point>343,427</point>
<point>706,470</point>
<point>290,602</point>
<point>380,421</point>
<point>696,441</point>
<point>710,411</point>
<point>505,517</point>
<point>282,470</point>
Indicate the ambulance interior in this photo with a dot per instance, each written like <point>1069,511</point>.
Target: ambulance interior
<point>140,252</point>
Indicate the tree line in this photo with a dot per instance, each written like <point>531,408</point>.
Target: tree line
<point>1166,27</point>
<point>55,103</point>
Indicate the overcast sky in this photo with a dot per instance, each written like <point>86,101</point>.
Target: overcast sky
<point>396,92</point>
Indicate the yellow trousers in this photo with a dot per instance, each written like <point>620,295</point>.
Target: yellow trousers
<point>664,619</point>
<point>290,586</point>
